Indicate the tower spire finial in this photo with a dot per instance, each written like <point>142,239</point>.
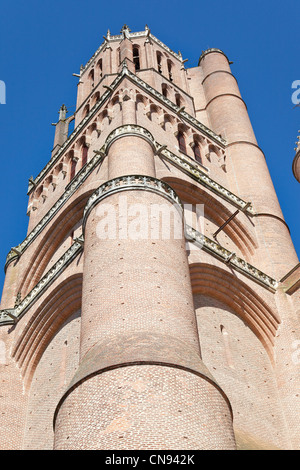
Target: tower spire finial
<point>125,31</point>
<point>62,112</point>
<point>147,29</point>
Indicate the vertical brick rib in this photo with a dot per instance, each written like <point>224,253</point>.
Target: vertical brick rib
<point>141,383</point>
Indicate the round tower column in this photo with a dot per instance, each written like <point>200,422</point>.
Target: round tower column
<point>248,173</point>
<point>141,383</point>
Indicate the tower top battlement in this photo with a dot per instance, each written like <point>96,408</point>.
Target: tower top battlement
<point>126,32</point>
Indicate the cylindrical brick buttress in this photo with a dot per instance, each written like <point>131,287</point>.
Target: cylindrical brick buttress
<point>248,173</point>
<point>141,383</point>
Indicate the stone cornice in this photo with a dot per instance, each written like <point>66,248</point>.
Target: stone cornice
<point>81,125</point>
<point>70,190</point>
<point>231,259</point>
<point>290,283</point>
<point>125,72</point>
<point>11,316</point>
<point>201,177</point>
<point>183,114</point>
<point>191,169</point>
<point>130,183</point>
<point>119,37</point>
<point>209,51</point>
<point>127,130</point>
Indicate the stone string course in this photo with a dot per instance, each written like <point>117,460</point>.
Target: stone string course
<point>187,167</point>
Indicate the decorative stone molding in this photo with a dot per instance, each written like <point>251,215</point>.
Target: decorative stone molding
<point>127,130</point>
<point>209,51</point>
<point>134,182</point>
<point>183,114</point>
<point>130,183</point>
<point>81,176</point>
<point>191,169</point>
<point>10,316</point>
<point>118,37</point>
<point>201,177</point>
<point>230,258</point>
<point>52,162</point>
<point>124,72</point>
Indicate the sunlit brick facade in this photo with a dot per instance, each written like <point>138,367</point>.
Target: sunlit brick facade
<point>125,338</point>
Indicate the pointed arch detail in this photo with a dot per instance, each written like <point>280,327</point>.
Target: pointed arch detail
<point>45,322</point>
<point>249,306</point>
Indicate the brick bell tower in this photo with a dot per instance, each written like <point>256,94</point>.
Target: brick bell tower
<point>126,321</point>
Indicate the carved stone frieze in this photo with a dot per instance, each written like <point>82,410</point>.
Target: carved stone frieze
<point>12,315</point>
<point>228,257</point>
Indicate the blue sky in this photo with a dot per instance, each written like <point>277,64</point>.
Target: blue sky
<point>42,43</point>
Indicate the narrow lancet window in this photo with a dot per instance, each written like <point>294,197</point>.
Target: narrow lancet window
<point>158,57</point>
<point>84,153</point>
<point>197,153</point>
<point>100,68</point>
<point>181,142</point>
<point>136,58</point>
<point>170,70</point>
<point>73,169</point>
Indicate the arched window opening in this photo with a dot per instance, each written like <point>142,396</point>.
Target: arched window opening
<point>48,181</point>
<point>154,113</point>
<point>214,153</point>
<point>181,142</point>
<point>84,154</point>
<point>164,90</point>
<point>170,70</point>
<point>197,153</point>
<point>86,111</point>
<point>96,97</point>
<point>178,99</point>
<point>39,191</point>
<point>91,77</point>
<point>168,125</point>
<point>100,68</point>
<point>136,58</point>
<point>58,169</point>
<point>158,57</point>
<point>73,169</point>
